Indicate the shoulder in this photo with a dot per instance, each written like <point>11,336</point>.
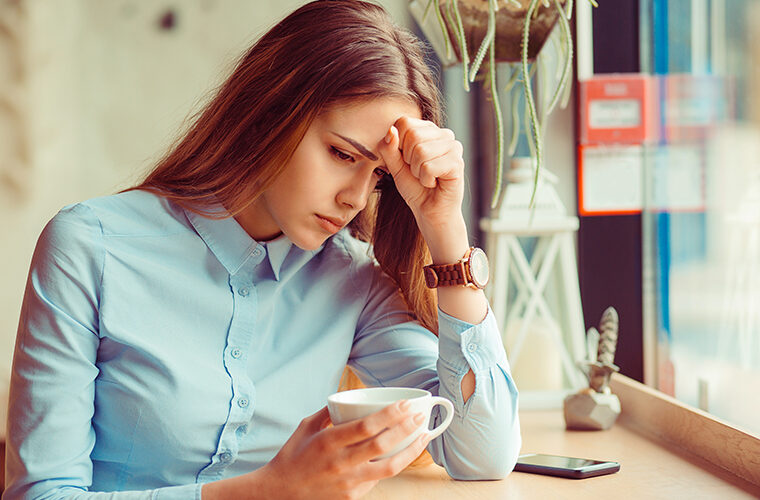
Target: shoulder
<point>132,213</point>
<point>344,249</point>
<point>358,261</point>
<point>82,228</point>
<point>344,246</point>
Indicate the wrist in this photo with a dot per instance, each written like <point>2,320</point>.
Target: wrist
<point>250,486</point>
<point>447,241</point>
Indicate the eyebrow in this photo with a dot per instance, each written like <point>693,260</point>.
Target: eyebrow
<point>364,151</point>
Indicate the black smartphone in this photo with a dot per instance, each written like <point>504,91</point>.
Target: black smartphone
<point>574,468</point>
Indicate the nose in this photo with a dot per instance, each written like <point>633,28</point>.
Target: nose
<point>355,192</point>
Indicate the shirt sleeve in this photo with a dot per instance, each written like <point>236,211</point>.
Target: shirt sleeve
<point>392,349</point>
<point>50,434</point>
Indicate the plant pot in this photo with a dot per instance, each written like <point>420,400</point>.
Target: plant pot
<point>510,20</point>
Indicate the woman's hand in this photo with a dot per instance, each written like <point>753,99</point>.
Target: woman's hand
<point>427,167</point>
<point>321,462</point>
<point>428,170</point>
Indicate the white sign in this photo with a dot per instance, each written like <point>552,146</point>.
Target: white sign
<point>612,179</point>
<point>614,113</point>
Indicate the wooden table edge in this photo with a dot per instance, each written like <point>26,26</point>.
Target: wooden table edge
<point>649,411</point>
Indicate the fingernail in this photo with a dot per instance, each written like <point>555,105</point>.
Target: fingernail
<point>389,135</point>
<point>404,405</point>
<point>419,418</point>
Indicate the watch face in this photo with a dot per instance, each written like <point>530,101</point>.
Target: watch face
<point>479,267</point>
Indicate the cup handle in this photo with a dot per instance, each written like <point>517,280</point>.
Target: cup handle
<point>437,431</point>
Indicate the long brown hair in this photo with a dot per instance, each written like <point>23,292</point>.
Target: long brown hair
<point>325,53</point>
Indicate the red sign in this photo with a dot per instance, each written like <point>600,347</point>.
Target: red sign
<point>619,109</point>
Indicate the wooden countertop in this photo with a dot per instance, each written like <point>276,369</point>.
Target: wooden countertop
<point>649,440</point>
<point>648,469</point>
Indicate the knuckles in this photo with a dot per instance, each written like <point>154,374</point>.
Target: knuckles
<point>376,447</point>
<point>421,152</point>
<point>345,489</point>
<point>335,469</point>
<point>392,467</point>
<point>321,444</point>
<point>413,138</point>
<point>364,428</point>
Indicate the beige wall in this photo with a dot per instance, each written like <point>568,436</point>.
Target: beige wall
<point>96,91</point>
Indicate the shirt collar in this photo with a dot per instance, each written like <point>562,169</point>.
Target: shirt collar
<point>231,245</point>
<point>277,250</point>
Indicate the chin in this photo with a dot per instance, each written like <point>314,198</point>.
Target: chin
<point>308,243</point>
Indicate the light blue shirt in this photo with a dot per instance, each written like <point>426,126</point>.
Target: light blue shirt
<point>159,350</point>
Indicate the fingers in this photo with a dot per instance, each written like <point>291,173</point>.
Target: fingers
<point>433,160</point>
<point>315,422</point>
<point>391,153</point>
<point>406,183</point>
<point>432,153</point>
<point>353,432</point>
<point>389,467</point>
<point>387,440</point>
<point>424,133</point>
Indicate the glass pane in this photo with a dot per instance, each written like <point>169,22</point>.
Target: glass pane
<point>702,219</point>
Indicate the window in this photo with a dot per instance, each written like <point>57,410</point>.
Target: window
<point>701,221</point>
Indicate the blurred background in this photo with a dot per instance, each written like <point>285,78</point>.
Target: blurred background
<point>92,93</point>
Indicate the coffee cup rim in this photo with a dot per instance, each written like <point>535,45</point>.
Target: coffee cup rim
<point>406,393</point>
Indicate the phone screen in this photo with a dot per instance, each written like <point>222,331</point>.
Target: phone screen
<point>557,461</point>
<point>554,465</point>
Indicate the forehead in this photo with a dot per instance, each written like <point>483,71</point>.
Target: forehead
<point>368,114</point>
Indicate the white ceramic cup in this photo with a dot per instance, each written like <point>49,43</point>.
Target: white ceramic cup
<point>351,405</point>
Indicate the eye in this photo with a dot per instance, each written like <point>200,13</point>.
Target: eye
<point>384,180</point>
<point>340,154</point>
<point>380,173</point>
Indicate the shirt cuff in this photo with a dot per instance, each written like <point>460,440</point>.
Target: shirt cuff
<point>184,492</point>
<point>463,345</point>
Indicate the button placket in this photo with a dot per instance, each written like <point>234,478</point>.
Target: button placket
<point>242,326</point>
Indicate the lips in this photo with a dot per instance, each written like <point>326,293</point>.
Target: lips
<point>331,224</point>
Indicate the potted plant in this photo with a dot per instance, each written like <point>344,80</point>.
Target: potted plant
<point>509,31</point>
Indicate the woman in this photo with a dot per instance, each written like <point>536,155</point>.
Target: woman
<point>181,338</point>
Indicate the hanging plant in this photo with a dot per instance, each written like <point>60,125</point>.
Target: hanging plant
<point>509,31</point>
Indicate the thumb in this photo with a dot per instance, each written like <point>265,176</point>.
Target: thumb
<point>317,421</point>
<point>394,161</point>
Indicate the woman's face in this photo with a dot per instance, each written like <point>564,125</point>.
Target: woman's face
<point>331,175</point>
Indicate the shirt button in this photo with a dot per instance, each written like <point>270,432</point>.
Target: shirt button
<point>225,457</point>
<point>256,252</point>
<point>243,429</point>
<point>242,402</point>
<point>244,291</point>
<point>236,352</point>
<point>472,347</point>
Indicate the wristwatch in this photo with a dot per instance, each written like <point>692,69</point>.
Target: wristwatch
<point>472,271</point>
